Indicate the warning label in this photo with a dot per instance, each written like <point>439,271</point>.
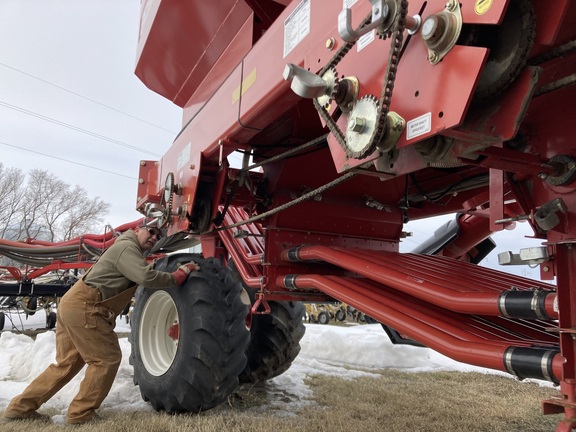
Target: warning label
<point>296,26</point>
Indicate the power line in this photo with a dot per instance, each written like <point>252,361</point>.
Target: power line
<point>69,126</point>
<point>66,160</point>
<point>87,98</point>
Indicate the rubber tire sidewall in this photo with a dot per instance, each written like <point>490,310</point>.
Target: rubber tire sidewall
<point>274,337</point>
<point>212,339</point>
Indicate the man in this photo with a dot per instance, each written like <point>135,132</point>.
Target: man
<point>85,326</point>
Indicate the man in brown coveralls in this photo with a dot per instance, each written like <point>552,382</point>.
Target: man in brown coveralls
<point>85,326</point>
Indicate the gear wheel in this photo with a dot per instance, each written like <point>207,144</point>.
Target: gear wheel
<point>387,27</point>
<point>330,77</point>
<point>362,128</point>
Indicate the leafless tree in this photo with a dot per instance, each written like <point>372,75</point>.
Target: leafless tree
<point>11,200</point>
<point>46,207</point>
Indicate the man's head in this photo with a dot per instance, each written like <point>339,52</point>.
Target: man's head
<point>148,233</point>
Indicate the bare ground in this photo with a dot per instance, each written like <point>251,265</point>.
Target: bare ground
<point>394,401</point>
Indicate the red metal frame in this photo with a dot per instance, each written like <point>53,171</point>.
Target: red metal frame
<point>348,236</point>
<point>223,62</point>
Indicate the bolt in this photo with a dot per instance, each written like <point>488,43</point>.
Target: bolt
<point>543,176</point>
<point>356,124</point>
<point>143,163</point>
<point>571,165</point>
<point>192,166</point>
<point>546,268</point>
<point>399,125</point>
<point>433,57</point>
<point>330,44</point>
<point>141,180</point>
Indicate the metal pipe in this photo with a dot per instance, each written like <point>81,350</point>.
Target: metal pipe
<point>505,330</point>
<point>487,354</point>
<point>238,257</point>
<point>428,287</point>
<point>25,289</point>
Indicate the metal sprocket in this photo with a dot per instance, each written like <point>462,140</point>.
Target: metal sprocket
<point>362,128</point>
<point>332,81</point>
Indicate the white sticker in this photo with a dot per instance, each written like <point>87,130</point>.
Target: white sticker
<point>365,40</point>
<point>555,305</point>
<point>183,157</point>
<point>348,3</point>
<point>296,26</point>
<point>419,126</point>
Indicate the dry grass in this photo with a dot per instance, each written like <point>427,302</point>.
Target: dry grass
<point>395,401</point>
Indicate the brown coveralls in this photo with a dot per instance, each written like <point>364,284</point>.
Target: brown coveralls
<point>85,331</point>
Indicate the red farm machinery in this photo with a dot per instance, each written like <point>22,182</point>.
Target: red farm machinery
<point>353,118</point>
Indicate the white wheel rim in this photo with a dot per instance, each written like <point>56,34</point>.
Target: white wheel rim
<point>157,349</point>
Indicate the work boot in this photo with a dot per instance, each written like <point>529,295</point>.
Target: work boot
<point>89,419</point>
<point>29,415</point>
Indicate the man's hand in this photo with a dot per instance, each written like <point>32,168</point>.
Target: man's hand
<point>183,271</point>
<point>190,267</point>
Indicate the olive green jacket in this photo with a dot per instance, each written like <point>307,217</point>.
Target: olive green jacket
<point>122,266</point>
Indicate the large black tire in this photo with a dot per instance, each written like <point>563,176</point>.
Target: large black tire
<point>2,319</point>
<point>274,338</point>
<point>197,368</point>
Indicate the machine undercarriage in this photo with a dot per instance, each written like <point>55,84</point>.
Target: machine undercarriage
<point>352,121</point>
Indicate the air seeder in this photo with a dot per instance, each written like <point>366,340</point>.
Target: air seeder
<point>354,117</point>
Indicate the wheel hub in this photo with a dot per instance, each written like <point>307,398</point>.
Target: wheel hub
<point>174,332</point>
<point>159,331</point>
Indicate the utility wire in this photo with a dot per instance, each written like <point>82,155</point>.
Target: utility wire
<point>87,98</point>
<point>102,137</point>
<point>66,160</point>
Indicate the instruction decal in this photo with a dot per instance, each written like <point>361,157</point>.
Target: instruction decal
<point>296,26</point>
<point>419,126</point>
<point>183,156</point>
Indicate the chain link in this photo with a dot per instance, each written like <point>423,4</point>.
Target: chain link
<point>292,203</point>
<point>381,119</point>
<point>386,96</point>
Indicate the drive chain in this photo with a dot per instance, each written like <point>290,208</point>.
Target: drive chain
<point>386,95</point>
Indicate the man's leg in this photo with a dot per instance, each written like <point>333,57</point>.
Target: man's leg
<point>100,350</point>
<point>48,383</point>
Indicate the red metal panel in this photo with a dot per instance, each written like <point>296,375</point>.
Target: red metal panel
<point>209,82</point>
<point>148,183</point>
<point>549,16</point>
<point>180,42</point>
<point>443,96</point>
